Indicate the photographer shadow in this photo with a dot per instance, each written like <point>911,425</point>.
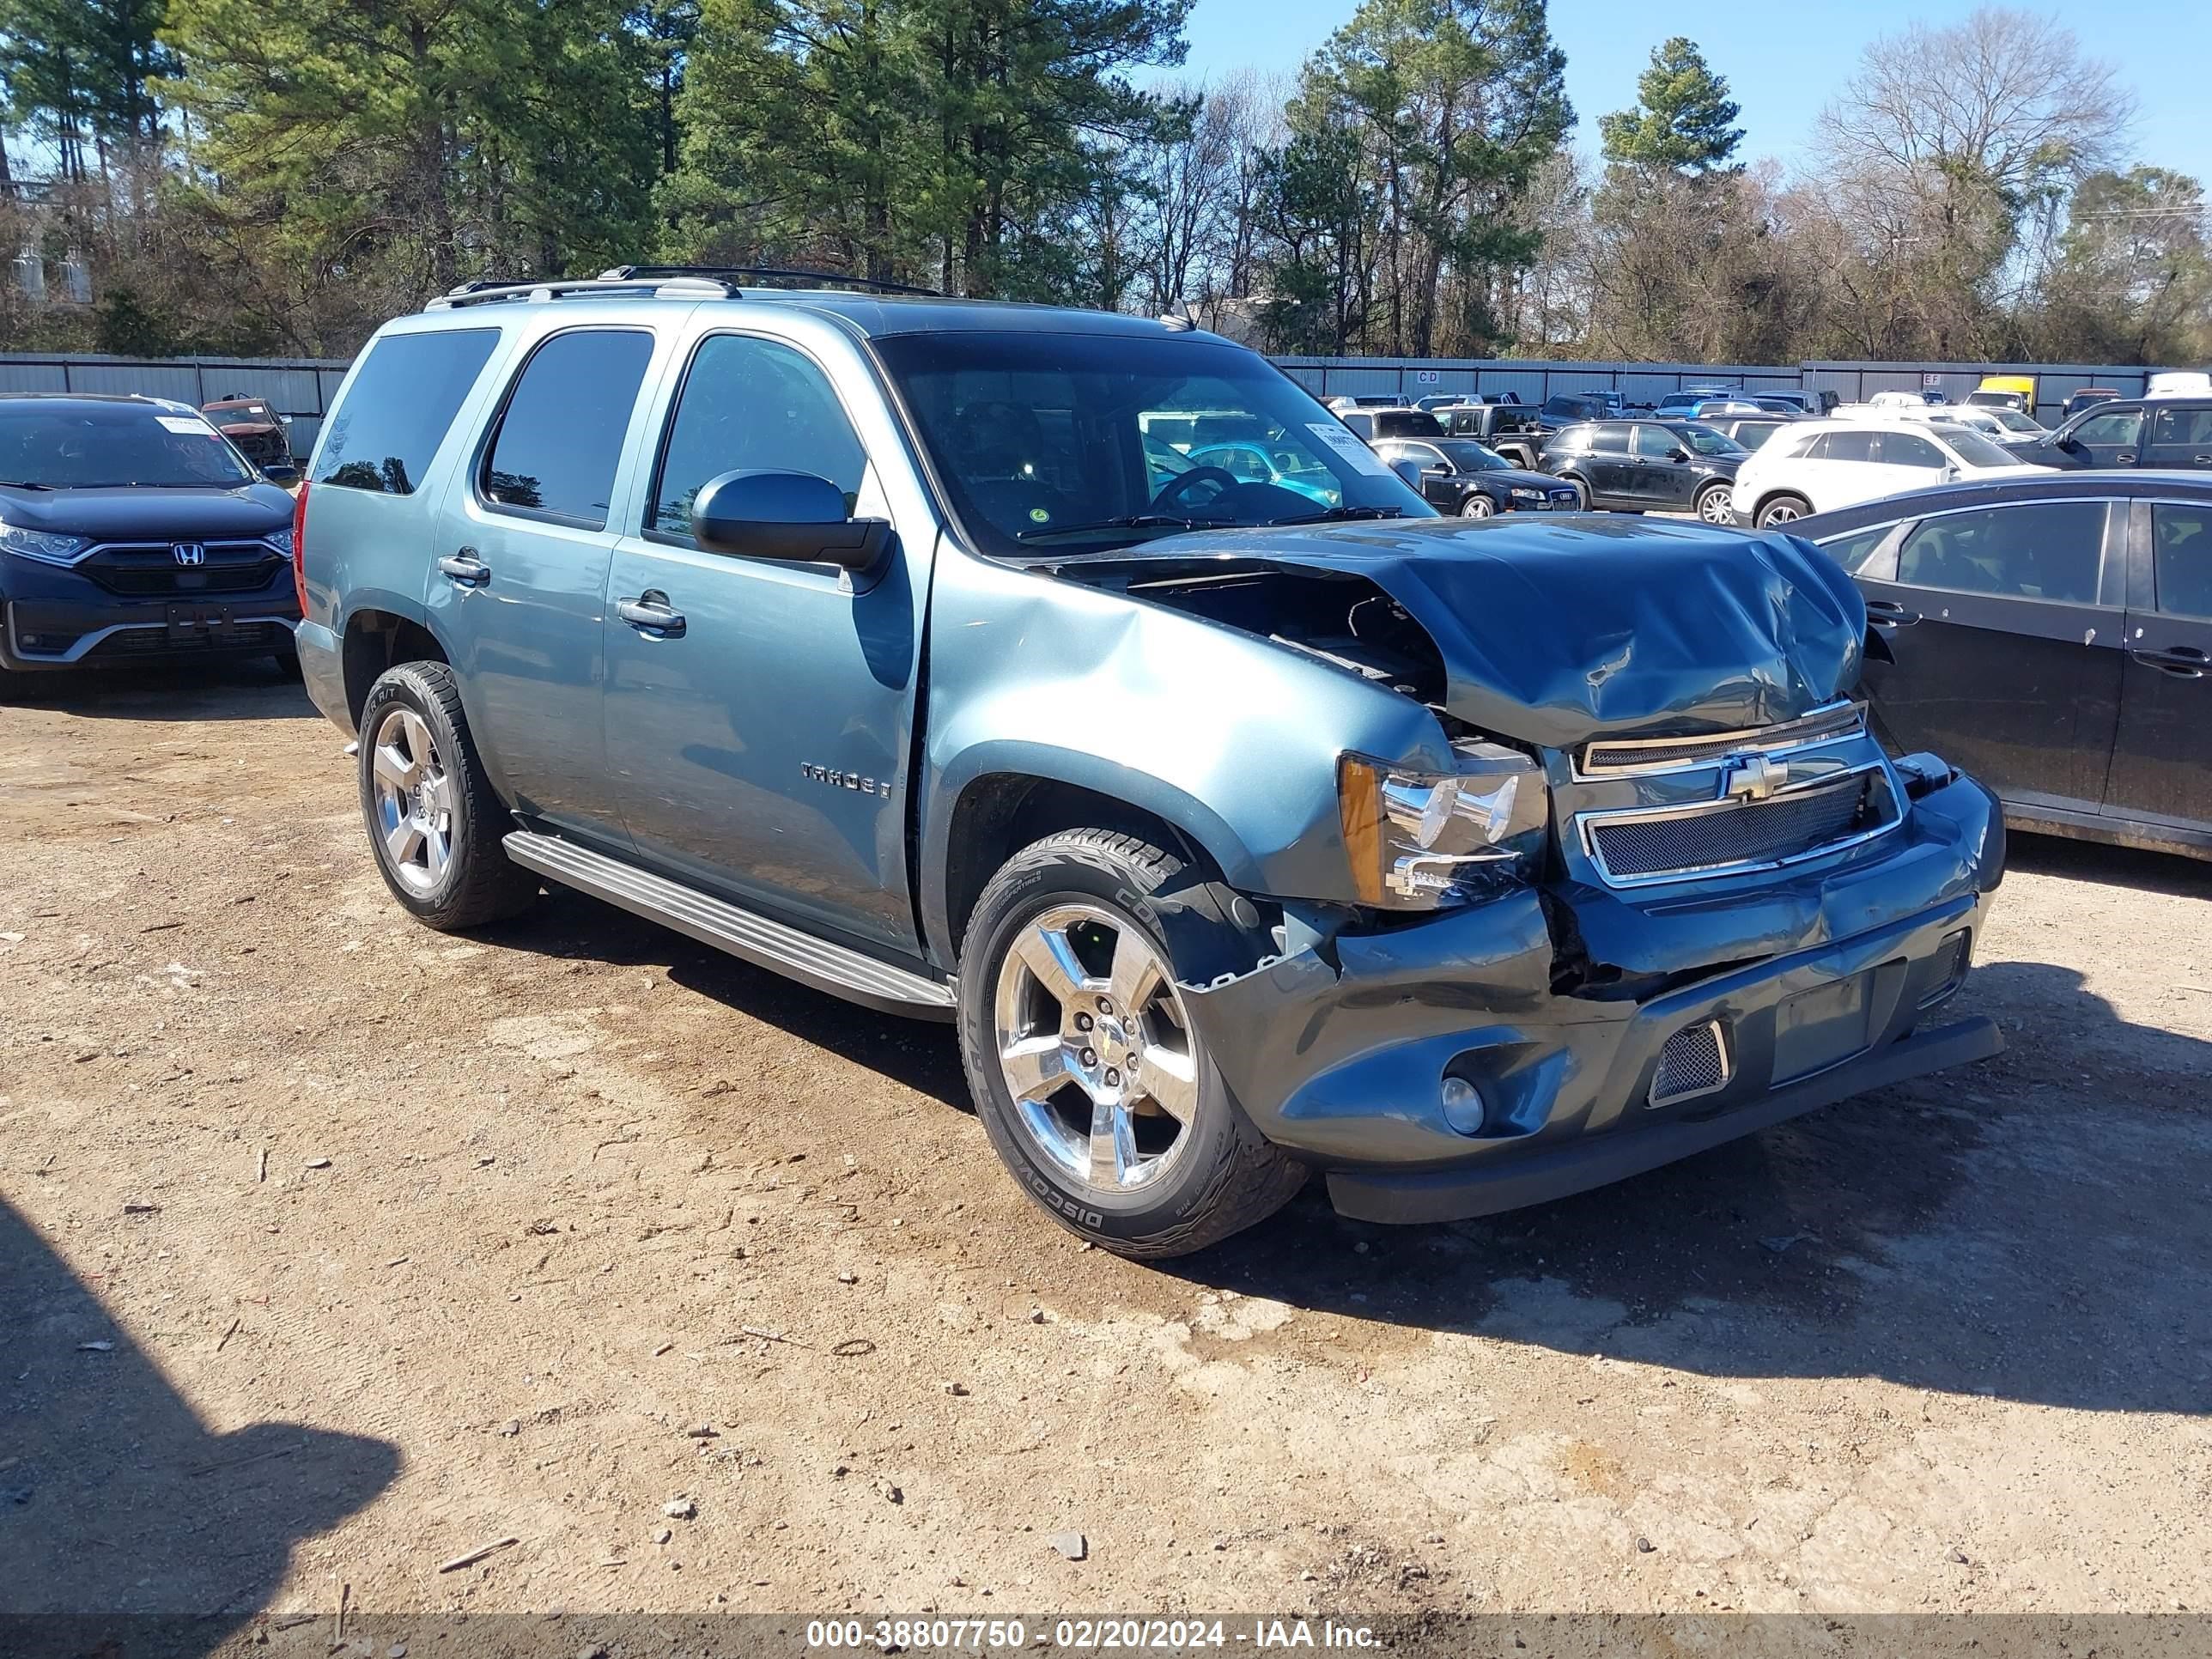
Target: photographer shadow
<point>127,1525</point>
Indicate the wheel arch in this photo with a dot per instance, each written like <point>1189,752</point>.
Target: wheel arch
<point>378,635</point>
<point>1002,802</point>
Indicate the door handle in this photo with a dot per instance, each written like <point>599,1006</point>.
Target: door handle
<point>464,567</point>
<point>1888,613</point>
<point>2200,460</point>
<point>2125,457</point>
<point>651,614</point>
<point>2183,662</point>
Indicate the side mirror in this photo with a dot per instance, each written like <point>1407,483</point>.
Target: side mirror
<point>1432,470</point>
<point>2071,446</point>
<point>1678,454</point>
<point>281,472</point>
<point>792,516</point>
<point>1949,475</point>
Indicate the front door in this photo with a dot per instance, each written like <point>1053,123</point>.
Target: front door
<point>2013,671</point>
<point>1656,478</point>
<point>520,577</point>
<point>2111,437</point>
<point>2162,764</point>
<point>760,733</point>
<point>1608,465</point>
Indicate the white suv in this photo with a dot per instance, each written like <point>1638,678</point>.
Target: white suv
<point>1818,465</point>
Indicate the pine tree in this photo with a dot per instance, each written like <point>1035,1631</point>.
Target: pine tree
<point>1684,119</point>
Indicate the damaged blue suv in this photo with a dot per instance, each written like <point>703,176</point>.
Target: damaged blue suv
<point>1247,825</point>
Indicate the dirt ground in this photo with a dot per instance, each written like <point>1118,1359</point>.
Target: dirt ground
<point>333,1249</point>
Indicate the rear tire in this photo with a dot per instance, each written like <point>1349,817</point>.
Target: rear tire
<point>1712,505</point>
<point>434,820</point>
<point>1582,495</point>
<point>1151,1157</point>
<point>1783,509</point>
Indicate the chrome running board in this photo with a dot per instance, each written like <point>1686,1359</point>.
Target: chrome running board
<point>773,944</point>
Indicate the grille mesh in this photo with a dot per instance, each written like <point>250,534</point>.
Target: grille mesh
<point>144,569</point>
<point>156,642</point>
<point>1693,1062</point>
<point>1761,832</point>
<point>1634,755</point>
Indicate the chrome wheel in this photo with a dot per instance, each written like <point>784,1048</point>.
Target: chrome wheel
<point>414,800</point>
<point>1476,506</point>
<point>1780,513</point>
<point>1095,1048</point>
<point>1713,507</point>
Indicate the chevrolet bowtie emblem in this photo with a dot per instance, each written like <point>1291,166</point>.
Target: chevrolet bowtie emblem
<point>1753,777</point>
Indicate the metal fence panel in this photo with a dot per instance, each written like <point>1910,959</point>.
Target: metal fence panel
<point>180,381</point>
<point>34,377</point>
<point>288,391</point>
<point>1526,384</point>
<point>1353,382</point>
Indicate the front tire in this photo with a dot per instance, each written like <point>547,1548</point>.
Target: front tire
<point>1783,509</point>
<point>1476,506</point>
<point>1095,1088</point>
<point>434,819</point>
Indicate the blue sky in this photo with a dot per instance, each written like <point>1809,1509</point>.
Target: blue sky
<point>1783,59</point>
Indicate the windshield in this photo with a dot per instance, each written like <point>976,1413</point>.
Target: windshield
<point>2012,421</point>
<point>86,446</point>
<point>1975,450</point>
<point>1098,441</point>
<point>1708,441</point>
<point>241,415</point>
<point>1469,457</point>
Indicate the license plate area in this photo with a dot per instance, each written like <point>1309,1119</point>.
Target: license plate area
<point>189,624</point>
<point>1820,1027</point>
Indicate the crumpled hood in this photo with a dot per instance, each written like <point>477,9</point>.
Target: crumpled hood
<point>1555,631</point>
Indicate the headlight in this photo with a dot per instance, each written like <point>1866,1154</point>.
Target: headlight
<point>1418,840</point>
<point>1528,494</point>
<point>281,540</point>
<point>41,544</point>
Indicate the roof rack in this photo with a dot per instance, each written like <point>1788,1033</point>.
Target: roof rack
<point>494,291</point>
<point>770,275</point>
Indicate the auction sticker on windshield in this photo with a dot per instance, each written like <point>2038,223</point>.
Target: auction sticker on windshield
<point>1347,443</point>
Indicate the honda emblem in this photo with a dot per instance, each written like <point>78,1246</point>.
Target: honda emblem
<point>189,553</point>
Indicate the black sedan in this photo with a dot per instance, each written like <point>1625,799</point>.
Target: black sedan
<point>1460,476</point>
<point>131,529</point>
<point>2051,635</point>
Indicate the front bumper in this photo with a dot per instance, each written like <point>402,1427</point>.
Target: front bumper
<point>1823,981</point>
<point>59,618</point>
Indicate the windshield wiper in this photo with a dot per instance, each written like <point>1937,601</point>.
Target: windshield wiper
<point>22,484</point>
<point>1126,521</point>
<point>1342,514</point>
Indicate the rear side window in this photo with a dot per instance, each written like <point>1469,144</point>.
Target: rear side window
<point>1906,449</point>
<point>1848,446</point>
<point>2038,550</point>
<point>561,435</point>
<point>756,405</point>
<point>2181,540</point>
<point>2186,428</point>
<point>397,410</point>
<point>1610,440</point>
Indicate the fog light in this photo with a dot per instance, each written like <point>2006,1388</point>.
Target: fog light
<point>1463,1107</point>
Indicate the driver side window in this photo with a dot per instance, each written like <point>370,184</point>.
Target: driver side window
<point>750,405</point>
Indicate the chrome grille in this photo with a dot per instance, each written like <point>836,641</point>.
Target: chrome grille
<point>1613,756</point>
<point>1694,1062</point>
<point>1717,836</point>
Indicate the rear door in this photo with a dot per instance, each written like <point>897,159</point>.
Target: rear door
<point>2162,763</point>
<point>1608,466</point>
<point>519,585</point>
<point>2179,437</point>
<point>2012,670</point>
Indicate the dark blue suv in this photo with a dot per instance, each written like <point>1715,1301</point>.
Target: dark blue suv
<point>131,529</point>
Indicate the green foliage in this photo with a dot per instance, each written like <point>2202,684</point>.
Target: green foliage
<point>1684,120</point>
